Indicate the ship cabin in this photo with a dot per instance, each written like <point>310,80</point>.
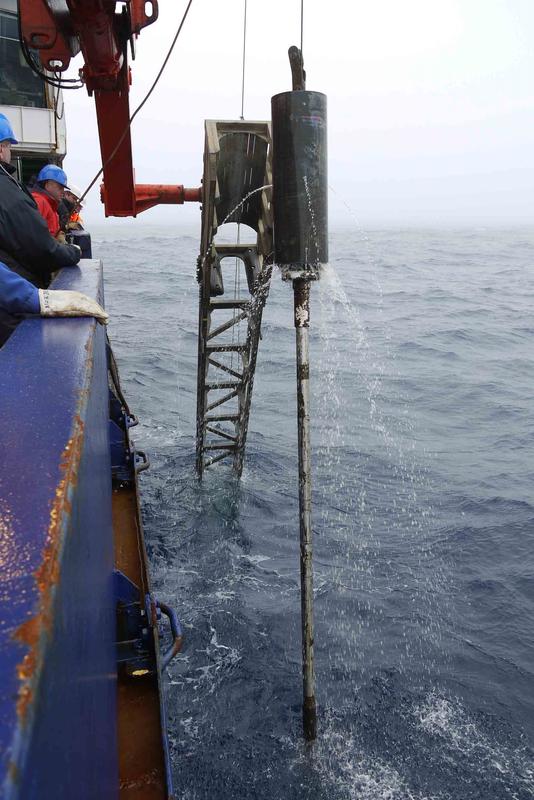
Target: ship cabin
<point>34,108</point>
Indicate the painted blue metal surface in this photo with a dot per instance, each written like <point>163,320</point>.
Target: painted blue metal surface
<point>57,615</point>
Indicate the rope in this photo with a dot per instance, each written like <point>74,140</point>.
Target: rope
<point>302,29</point>
<point>141,104</point>
<point>56,106</point>
<point>237,287</point>
<point>244,60</point>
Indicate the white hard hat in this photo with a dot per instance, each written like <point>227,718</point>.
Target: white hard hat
<point>76,191</point>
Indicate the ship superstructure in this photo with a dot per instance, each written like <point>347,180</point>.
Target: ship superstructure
<point>34,108</point>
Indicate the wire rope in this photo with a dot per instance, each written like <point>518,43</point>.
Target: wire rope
<point>302,29</point>
<point>55,97</point>
<point>244,60</point>
<point>237,287</point>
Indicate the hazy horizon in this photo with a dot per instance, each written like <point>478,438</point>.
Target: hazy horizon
<point>431,109</point>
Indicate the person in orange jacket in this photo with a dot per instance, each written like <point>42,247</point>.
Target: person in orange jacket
<point>49,191</point>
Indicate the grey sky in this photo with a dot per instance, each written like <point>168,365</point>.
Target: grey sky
<point>431,102</point>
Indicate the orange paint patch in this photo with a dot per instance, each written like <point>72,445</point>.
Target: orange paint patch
<point>34,631</point>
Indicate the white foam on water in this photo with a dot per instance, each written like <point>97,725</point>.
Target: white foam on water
<point>224,595</point>
<point>257,559</point>
<point>190,727</point>
<point>352,774</point>
<point>190,794</point>
<point>358,778</point>
<point>448,719</point>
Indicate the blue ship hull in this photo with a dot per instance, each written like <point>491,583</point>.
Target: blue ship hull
<point>59,680</point>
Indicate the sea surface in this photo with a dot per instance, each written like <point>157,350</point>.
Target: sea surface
<point>422,378</point>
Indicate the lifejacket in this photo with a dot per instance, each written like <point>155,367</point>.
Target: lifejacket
<point>75,218</point>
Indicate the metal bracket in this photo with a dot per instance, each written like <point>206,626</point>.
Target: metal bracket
<point>135,638</point>
<point>136,621</point>
<point>126,461</point>
<point>141,461</point>
<point>290,273</point>
<point>176,631</point>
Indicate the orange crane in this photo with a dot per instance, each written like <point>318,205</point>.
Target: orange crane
<point>102,30</point>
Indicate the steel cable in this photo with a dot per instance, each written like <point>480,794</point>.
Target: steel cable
<point>302,29</point>
<point>244,61</point>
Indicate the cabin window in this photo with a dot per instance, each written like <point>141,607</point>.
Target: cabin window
<point>19,86</point>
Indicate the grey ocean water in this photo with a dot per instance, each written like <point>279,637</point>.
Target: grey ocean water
<point>423,429</point>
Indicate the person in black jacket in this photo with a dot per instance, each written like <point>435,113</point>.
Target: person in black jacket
<point>69,209</point>
<point>26,245</point>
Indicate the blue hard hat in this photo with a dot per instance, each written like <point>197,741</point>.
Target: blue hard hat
<point>52,173</point>
<point>6,131</point>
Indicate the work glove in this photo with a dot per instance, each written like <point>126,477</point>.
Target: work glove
<point>59,303</point>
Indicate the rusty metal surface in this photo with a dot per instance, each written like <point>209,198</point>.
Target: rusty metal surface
<point>241,169</point>
<point>57,659</point>
<point>236,188</point>
<point>141,763</point>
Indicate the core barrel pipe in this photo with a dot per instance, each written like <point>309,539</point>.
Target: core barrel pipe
<point>300,248</point>
<point>301,296</point>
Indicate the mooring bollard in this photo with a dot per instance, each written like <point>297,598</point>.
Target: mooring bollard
<point>300,249</point>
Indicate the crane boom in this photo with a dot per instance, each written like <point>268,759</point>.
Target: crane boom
<point>102,30</point>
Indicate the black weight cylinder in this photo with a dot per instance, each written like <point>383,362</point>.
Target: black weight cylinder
<point>300,182</point>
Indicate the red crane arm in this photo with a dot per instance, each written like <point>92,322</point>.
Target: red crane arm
<point>59,30</point>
